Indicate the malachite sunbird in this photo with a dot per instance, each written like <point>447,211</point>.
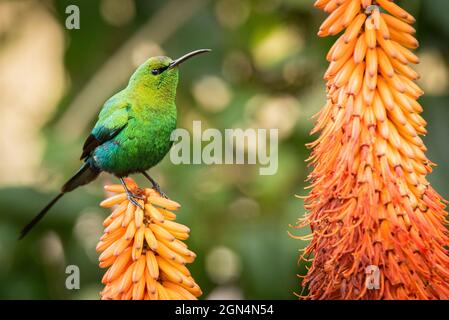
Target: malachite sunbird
<point>133,130</point>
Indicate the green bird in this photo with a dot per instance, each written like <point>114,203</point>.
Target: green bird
<point>133,130</point>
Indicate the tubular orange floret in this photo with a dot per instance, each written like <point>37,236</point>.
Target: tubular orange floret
<point>370,204</point>
<point>142,249</point>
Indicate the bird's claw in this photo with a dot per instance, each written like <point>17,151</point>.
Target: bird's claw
<point>157,188</point>
<point>132,198</point>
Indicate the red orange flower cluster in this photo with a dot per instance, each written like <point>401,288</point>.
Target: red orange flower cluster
<point>370,202</point>
<point>143,249</point>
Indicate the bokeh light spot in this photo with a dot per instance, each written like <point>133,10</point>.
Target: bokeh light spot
<point>212,93</point>
<point>222,265</point>
<point>117,12</point>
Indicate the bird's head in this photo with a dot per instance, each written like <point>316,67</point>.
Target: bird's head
<point>159,74</point>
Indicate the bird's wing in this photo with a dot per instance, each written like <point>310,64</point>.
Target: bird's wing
<point>112,119</point>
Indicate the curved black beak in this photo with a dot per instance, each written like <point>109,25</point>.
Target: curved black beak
<point>186,57</point>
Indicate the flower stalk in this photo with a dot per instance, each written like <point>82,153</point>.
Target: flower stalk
<point>143,249</point>
<point>370,204</point>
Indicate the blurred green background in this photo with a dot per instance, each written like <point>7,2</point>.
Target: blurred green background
<point>265,71</point>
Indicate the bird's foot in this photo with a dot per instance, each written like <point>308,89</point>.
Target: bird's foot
<point>133,199</point>
<point>132,196</point>
<point>157,188</point>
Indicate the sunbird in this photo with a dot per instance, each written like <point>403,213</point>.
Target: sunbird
<point>133,130</point>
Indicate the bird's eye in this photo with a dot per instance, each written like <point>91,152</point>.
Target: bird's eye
<point>155,72</point>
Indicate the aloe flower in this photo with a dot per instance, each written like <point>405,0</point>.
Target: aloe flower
<point>143,249</point>
<point>370,206</point>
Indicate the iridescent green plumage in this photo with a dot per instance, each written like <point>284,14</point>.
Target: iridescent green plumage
<point>140,118</point>
<point>133,130</point>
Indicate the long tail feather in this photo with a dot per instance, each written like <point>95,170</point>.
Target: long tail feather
<point>37,218</point>
<point>85,174</point>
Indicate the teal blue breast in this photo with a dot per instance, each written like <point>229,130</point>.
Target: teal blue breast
<point>138,147</point>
